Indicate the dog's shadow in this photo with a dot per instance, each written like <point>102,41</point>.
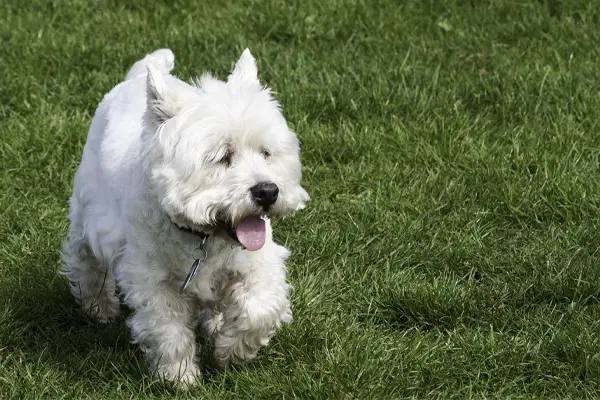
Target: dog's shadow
<point>47,327</point>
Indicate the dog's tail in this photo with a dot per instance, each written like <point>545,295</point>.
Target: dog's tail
<point>163,60</point>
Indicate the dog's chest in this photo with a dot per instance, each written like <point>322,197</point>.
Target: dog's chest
<point>206,282</point>
<point>212,275</point>
<point>224,265</point>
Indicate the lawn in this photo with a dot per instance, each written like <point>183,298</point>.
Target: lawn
<point>452,152</point>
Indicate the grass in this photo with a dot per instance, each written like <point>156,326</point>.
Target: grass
<point>452,151</point>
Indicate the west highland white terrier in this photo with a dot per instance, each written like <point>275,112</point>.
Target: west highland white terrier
<point>171,207</point>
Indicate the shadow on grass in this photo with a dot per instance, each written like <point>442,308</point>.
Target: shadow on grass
<point>508,308</point>
<point>45,326</point>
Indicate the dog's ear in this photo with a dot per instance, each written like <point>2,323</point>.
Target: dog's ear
<point>163,101</point>
<point>245,69</point>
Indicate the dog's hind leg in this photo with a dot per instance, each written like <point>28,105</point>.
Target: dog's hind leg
<point>91,278</point>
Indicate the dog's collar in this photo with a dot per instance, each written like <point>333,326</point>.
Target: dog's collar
<point>200,234</point>
<point>199,254</point>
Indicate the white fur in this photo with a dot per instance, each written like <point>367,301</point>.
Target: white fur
<point>153,157</point>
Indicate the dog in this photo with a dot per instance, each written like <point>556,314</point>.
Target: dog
<point>171,211</point>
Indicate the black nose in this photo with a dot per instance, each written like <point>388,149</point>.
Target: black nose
<point>265,193</point>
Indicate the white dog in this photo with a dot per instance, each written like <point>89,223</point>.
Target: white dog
<point>172,173</point>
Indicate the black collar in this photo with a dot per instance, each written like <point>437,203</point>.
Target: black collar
<point>200,234</point>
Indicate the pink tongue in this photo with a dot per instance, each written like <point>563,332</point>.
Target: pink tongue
<point>251,233</point>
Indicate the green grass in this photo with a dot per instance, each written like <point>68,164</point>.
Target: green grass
<point>452,151</point>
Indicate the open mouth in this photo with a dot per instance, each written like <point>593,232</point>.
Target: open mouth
<point>251,232</point>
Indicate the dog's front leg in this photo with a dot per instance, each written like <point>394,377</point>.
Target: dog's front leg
<point>253,307</point>
<point>163,323</point>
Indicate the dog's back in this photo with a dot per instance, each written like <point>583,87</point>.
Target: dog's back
<point>108,171</point>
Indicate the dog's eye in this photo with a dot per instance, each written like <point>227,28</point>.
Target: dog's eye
<point>265,153</point>
<point>226,159</point>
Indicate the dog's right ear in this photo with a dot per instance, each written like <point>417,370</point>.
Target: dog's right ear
<point>163,101</point>
<point>245,70</point>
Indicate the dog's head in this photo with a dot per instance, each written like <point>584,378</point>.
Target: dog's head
<point>220,156</point>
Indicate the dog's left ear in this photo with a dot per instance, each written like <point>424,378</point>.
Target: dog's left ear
<point>245,70</point>
<point>163,101</point>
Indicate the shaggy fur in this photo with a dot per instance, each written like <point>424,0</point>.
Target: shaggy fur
<point>161,155</point>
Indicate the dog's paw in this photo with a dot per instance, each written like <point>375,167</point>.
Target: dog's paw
<point>104,308</point>
<point>180,376</point>
<point>235,350</point>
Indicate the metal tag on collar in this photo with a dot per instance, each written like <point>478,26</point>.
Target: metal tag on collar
<point>199,254</point>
